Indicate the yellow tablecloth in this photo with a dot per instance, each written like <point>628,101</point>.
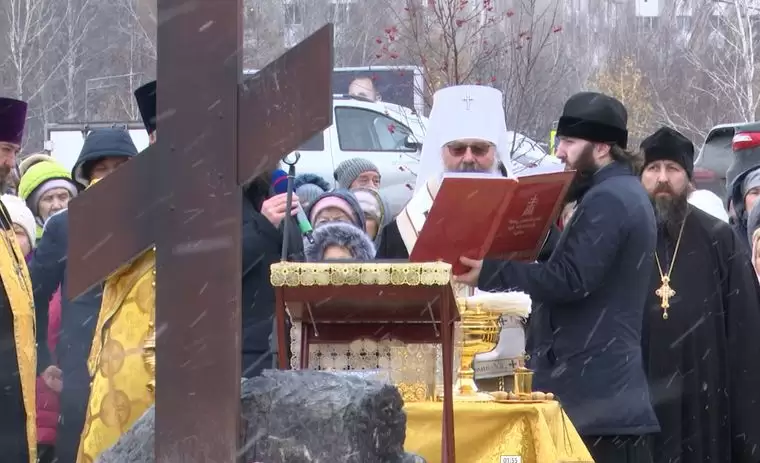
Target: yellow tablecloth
<point>484,432</point>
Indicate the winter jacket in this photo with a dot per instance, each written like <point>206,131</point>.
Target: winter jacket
<point>589,297</point>
<point>262,245</point>
<point>48,402</point>
<point>77,325</point>
<point>739,223</point>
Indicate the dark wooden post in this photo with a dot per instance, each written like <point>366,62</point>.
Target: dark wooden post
<point>184,195</point>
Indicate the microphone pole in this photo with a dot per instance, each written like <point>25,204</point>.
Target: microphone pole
<point>288,203</point>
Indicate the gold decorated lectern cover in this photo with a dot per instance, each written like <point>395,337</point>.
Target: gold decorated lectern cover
<point>414,368</point>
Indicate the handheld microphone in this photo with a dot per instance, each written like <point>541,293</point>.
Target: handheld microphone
<point>279,186</point>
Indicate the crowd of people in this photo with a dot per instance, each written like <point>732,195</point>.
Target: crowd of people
<point>646,303</point>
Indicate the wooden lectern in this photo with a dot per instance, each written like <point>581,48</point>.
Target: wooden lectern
<point>341,302</point>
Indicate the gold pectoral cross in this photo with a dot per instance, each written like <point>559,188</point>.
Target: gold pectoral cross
<point>665,292</point>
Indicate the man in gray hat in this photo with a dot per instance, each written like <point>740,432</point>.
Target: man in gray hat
<point>357,173</point>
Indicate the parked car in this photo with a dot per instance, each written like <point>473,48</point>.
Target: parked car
<point>746,150</point>
<point>387,134</point>
<point>391,136</point>
<point>715,158</point>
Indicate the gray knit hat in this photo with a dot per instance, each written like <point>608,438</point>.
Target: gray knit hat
<point>307,193</point>
<point>348,171</point>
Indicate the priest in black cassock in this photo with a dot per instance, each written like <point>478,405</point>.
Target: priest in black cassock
<point>701,336</point>
<point>18,354</point>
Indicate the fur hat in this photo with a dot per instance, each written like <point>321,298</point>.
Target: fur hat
<point>146,102</point>
<point>594,117</point>
<point>350,169</point>
<point>340,234</point>
<point>669,145</point>
<point>12,120</point>
<point>309,187</point>
<point>21,215</point>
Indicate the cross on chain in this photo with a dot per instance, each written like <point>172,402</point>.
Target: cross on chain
<point>216,135</point>
<point>665,292</point>
<point>467,100</point>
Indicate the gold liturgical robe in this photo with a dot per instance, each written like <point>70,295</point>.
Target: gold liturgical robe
<point>18,287</point>
<point>122,380</point>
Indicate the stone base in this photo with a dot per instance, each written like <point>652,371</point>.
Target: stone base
<point>301,417</point>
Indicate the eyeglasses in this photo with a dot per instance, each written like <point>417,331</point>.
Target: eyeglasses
<point>477,149</point>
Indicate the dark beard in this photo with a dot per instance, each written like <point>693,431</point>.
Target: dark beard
<point>585,169</point>
<point>5,178</point>
<point>670,210</point>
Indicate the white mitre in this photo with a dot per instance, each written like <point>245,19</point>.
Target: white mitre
<point>463,112</point>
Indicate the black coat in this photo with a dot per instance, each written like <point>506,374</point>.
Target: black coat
<point>78,318</point>
<point>589,297</point>
<point>262,246</point>
<point>702,361</point>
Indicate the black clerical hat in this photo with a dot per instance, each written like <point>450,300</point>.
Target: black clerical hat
<point>146,101</point>
<point>594,117</point>
<point>669,145</point>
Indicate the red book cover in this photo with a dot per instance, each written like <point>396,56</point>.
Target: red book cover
<point>469,211</point>
<point>530,213</point>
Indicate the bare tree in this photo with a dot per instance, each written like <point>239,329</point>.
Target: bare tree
<point>78,17</point>
<point>626,82</point>
<point>730,61</point>
<point>32,29</point>
<point>448,39</point>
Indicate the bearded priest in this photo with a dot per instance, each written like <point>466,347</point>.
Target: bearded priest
<point>18,355</point>
<point>466,132</point>
<point>700,335</point>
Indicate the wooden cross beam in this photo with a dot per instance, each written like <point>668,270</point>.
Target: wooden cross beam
<point>183,195</point>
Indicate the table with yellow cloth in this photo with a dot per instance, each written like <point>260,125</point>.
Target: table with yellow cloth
<point>484,432</point>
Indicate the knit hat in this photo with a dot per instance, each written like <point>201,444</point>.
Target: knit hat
<point>669,145</point>
<point>31,160</point>
<point>99,144</point>
<point>340,234</point>
<point>350,169</point>
<point>371,204</point>
<point>752,180</point>
<point>340,199</point>
<point>594,117</point>
<point>21,215</point>
<point>12,120</point>
<point>41,178</point>
<point>308,187</point>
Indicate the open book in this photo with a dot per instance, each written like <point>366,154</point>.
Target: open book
<point>485,216</point>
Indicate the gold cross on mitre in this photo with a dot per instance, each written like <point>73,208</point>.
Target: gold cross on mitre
<point>467,100</point>
<point>665,292</point>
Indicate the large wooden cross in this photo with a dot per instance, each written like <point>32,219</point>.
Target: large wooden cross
<point>183,195</point>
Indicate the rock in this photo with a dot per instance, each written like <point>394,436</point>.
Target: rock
<point>302,416</point>
<point>136,445</point>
